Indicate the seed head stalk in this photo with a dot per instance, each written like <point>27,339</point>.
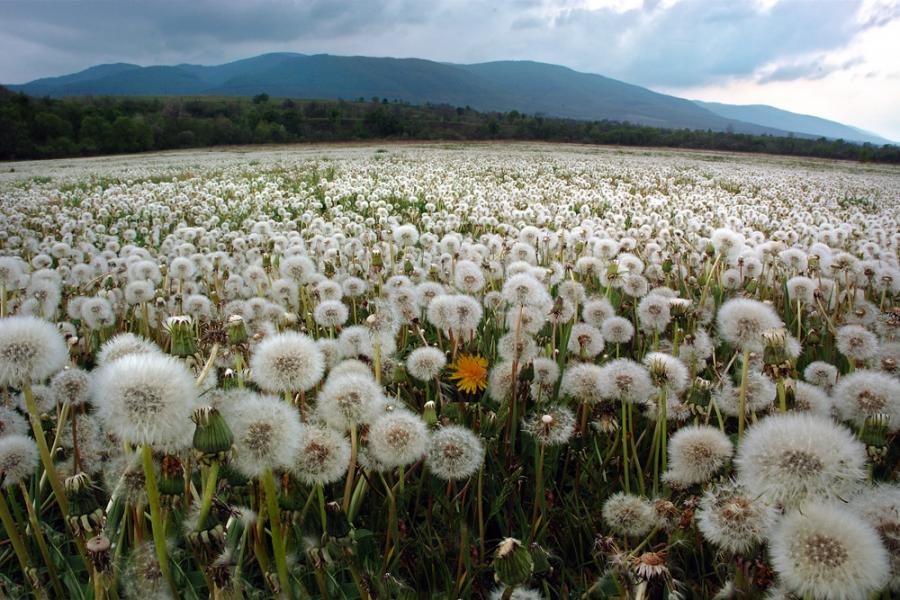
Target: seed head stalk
<point>742,397</point>
<point>46,459</point>
<point>38,533</point>
<point>351,471</point>
<point>278,545</point>
<point>12,532</point>
<point>156,521</point>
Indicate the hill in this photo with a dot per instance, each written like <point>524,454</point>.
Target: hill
<point>525,86</point>
<point>769,116</point>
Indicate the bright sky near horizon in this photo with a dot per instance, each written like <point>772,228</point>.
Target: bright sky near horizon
<point>838,59</point>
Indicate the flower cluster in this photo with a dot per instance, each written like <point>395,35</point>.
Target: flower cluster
<point>330,369</point>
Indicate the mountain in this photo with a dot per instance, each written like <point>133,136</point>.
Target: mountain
<point>529,87</point>
<point>770,116</point>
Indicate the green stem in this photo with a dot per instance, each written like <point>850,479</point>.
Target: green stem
<point>351,469</point>
<point>782,395</point>
<point>664,432</point>
<point>323,515</point>
<point>539,507</point>
<point>625,446</point>
<point>46,459</point>
<point>209,487</point>
<point>41,542</point>
<point>156,522</point>
<point>742,397</point>
<point>9,524</point>
<point>278,548</point>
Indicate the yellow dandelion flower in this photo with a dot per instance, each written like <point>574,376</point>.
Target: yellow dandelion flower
<point>470,372</point>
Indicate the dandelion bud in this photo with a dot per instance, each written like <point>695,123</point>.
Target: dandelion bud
<point>171,482</point>
<point>512,562</point>
<point>874,431</point>
<point>236,330</point>
<point>775,344</point>
<point>377,260</point>
<point>212,436</point>
<point>430,414</point>
<point>85,514</point>
<point>182,333</point>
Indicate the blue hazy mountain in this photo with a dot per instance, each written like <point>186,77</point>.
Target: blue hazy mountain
<point>769,116</point>
<point>526,86</point>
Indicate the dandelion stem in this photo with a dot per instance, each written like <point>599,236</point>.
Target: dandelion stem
<point>46,459</point>
<point>278,547</point>
<point>323,515</point>
<point>12,532</point>
<point>742,397</point>
<point>624,433</point>
<point>156,521</point>
<point>351,471</point>
<point>538,519</point>
<point>209,487</point>
<point>41,542</point>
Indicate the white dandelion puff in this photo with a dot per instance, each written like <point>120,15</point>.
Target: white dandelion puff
<point>398,438</point>
<point>864,394</point>
<point>31,350</point>
<point>824,551</point>
<point>147,399</point>
<point>18,459</point>
<point>267,434</point>
<point>792,458</point>
<point>287,362</point>
<point>454,453</point>
<point>323,455</point>
<point>696,453</point>
<point>425,363</point>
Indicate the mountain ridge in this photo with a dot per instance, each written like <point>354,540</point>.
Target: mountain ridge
<point>526,86</point>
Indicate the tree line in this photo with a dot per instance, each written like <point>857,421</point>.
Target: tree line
<point>34,128</point>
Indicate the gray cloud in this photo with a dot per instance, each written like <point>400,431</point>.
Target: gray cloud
<point>809,70</point>
<point>694,42</point>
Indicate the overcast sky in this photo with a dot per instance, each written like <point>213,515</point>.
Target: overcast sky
<point>833,58</point>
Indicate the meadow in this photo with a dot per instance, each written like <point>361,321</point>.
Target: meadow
<point>505,371</point>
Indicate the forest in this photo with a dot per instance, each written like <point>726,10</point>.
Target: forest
<point>35,128</point>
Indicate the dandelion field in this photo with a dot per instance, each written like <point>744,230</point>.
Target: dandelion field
<point>449,371</point>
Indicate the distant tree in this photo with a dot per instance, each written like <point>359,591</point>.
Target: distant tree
<point>261,98</point>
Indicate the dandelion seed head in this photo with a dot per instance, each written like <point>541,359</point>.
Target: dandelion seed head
<point>856,342</point>
<point>287,362</point>
<point>398,438</point>
<point>267,433</point>
<point>824,551</point>
<point>864,394</point>
<point>323,455</point>
<point>617,330</point>
<point>147,399</point>
<point>11,422</point>
<point>625,380</point>
<point>629,515</point>
<point>792,458</point>
<point>18,458</point>
<point>742,321</point>
<point>72,386</point>
<point>696,453</point>
<point>349,399</point>
<point>733,518</point>
<point>821,373</point>
<point>125,344</point>
<point>426,363</point>
<point>454,453</point>
<point>551,425</point>
<point>31,350</point>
